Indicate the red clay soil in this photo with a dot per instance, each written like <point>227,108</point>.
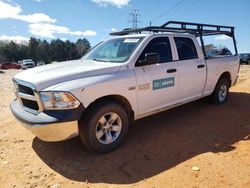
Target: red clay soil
<point>160,151</point>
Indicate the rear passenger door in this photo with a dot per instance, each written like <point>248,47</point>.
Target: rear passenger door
<point>192,69</point>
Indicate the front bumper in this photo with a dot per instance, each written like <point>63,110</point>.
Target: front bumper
<point>51,125</point>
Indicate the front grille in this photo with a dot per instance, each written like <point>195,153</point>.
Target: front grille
<point>30,104</point>
<point>27,96</point>
<point>25,89</point>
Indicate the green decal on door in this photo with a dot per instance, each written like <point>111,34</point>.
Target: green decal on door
<point>163,83</point>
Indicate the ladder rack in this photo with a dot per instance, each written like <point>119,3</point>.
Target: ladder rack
<point>197,29</point>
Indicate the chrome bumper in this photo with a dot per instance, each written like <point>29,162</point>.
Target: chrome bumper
<point>49,125</point>
<point>55,131</point>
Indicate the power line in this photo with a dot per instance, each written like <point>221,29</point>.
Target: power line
<point>153,6</point>
<point>167,11</point>
<point>145,7</point>
<point>199,7</point>
<point>188,5</point>
<point>146,10</point>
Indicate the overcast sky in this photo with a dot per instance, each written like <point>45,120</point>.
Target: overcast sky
<point>94,19</point>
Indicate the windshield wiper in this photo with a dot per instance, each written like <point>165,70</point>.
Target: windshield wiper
<point>100,60</point>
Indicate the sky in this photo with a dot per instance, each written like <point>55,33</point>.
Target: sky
<point>95,19</point>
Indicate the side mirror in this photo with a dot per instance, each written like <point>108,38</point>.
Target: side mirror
<point>152,58</point>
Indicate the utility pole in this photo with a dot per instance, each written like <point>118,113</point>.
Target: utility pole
<point>134,13</point>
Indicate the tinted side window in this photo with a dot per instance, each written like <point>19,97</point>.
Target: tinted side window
<point>159,45</point>
<point>186,48</point>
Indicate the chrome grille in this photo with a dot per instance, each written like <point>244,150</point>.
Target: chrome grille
<point>27,96</point>
<point>30,104</point>
<point>25,89</point>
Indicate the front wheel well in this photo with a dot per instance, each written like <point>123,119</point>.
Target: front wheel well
<point>117,99</point>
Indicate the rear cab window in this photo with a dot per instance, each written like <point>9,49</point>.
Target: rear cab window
<point>217,46</point>
<point>185,48</point>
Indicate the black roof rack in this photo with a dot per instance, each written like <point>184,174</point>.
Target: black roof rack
<point>197,29</point>
<point>182,27</point>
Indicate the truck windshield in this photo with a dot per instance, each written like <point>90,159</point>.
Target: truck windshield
<point>116,50</point>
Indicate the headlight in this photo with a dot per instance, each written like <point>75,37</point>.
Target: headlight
<point>59,100</point>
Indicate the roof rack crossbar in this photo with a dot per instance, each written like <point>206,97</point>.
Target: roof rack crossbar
<point>184,27</point>
<point>200,27</point>
<point>194,24</point>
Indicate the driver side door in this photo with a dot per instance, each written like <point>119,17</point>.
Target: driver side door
<point>157,84</point>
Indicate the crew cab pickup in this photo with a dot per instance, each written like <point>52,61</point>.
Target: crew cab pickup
<point>135,74</point>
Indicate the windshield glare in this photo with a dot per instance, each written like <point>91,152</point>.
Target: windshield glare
<point>115,50</point>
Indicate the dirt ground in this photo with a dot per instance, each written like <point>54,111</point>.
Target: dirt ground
<point>160,151</point>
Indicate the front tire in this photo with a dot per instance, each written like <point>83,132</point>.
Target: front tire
<point>104,126</point>
<point>221,91</point>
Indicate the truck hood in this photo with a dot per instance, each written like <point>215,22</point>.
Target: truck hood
<point>48,75</point>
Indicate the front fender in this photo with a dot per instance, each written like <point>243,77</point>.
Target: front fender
<point>89,89</point>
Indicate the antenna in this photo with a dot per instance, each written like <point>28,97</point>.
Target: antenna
<point>134,13</point>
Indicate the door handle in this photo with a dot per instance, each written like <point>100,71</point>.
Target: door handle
<point>200,66</point>
<point>171,70</point>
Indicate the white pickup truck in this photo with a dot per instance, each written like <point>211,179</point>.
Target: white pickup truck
<point>128,77</point>
<point>27,63</point>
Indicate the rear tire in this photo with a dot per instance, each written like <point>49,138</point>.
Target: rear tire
<point>221,91</point>
<point>104,126</point>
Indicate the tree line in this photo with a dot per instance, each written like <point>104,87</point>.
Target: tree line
<point>44,51</point>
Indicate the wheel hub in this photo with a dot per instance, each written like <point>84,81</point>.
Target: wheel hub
<point>108,128</point>
<point>222,93</point>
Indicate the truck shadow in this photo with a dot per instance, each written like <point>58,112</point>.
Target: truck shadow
<point>155,144</point>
